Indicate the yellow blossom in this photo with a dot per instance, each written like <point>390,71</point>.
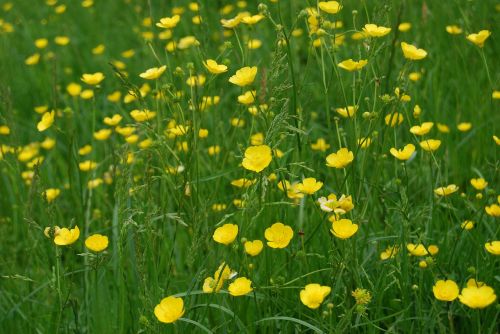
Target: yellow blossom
<point>66,236</point>
<point>320,145</point>
<point>347,112</point>
<point>341,159</point>
<point>214,68</point>
<point>278,235</point>
<point>445,290</point>
<point>351,65</point>
<point>479,183</point>
<point>313,295</point>
<point>330,7</point>
<point>412,52</point>
<point>344,228</point>
<point>430,145</point>
<point>257,158</point>
<point>97,242</point>
<point>46,121</point>
<point>51,194</point>
<point>403,154</point>
<point>309,186</point>
<point>479,38</point>
<point>445,191</point>
<point>240,287</point>
<point>477,297</point>
<point>422,129</point>
<point>169,22</point>
<point>253,248</point>
<point>493,247</point>
<point>373,30</point>
<point>169,310</point>
<point>244,76</point>
<point>225,234</point>
<point>153,73</point>
<point>453,30</point>
<point>93,79</point>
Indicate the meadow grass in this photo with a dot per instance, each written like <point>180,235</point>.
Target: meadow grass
<point>167,195</point>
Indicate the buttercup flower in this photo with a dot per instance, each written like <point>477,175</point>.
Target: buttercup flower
<point>244,76</point>
<point>169,310</point>
<point>477,297</point>
<point>453,30</point>
<point>93,79</point>
<point>341,159</point>
<point>97,242</point>
<point>430,145</point>
<point>422,129</point>
<point>493,247</point>
<point>153,73</point>
<point>479,183</point>
<point>169,22</point>
<point>389,253</point>
<point>403,154</point>
<point>320,145</point>
<point>214,68</point>
<point>446,291</point>
<point>344,228</point>
<point>351,65</point>
<point>46,121</point>
<point>215,283</point>
<point>51,194</point>
<point>278,235</point>
<point>445,191</point>
<point>373,30</point>
<point>257,158</point>
<point>479,38</point>
<point>253,248</point>
<point>65,236</point>
<point>412,52</point>
<point>313,295</point>
<point>347,112</point>
<point>309,186</point>
<point>330,7</point>
<point>240,287</point>
<point>225,234</point>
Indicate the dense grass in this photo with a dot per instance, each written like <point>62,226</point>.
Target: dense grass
<point>160,222</point>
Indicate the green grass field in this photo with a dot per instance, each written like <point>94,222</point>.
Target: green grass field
<point>290,166</point>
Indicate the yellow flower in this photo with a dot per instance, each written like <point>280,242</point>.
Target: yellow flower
<point>4,130</point>
<point>404,26</point>
<point>169,310</point>
<point>467,225</point>
<point>496,139</point>
<point>250,20</point>
<point>41,43</point>
<point>477,297</point>
<point>479,38</point>
<point>169,22</point>
<point>93,79</point>
<point>85,150</point>
<point>394,119</point>
<point>51,194</point>
<point>389,253</point>
<point>403,154</point>
<point>87,165</point>
<point>242,183</point>
<point>257,158</point>
<point>244,76</point>
<point>215,283</point>
<point>320,145</point>
<point>313,295</point>
<point>153,73</point>
<point>113,121</point>
<point>46,121</point>
<point>453,30</point>
<point>347,112</point>
<point>240,287</point>
<point>417,250</point>
<point>493,247</point>
<point>330,7</point>
<point>464,126</point>
<point>253,248</point>
<point>479,183</point>
<point>351,65</point>
<point>247,98</point>
<point>446,291</point>
<point>225,234</point>
<point>102,134</point>
<point>33,59</point>
<point>142,115</point>
<point>415,76</point>
<point>74,89</point>
<point>411,52</point>
<point>97,242</point>
<point>213,67</point>
<point>445,191</point>
<point>340,159</point>
<point>66,237</point>
<point>278,235</point>
<point>422,129</point>
<point>344,228</point>
<point>309,186</point>
<point>373,30</point>
<point>430,145</point>
<point>493,210</point>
